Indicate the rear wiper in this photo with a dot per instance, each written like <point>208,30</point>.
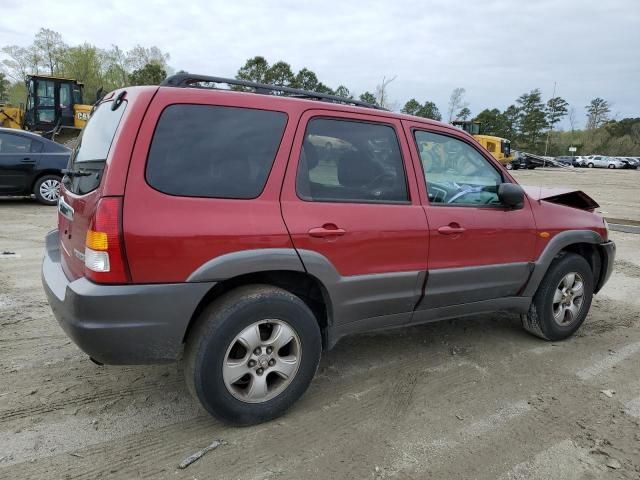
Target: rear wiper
<point>69,172</point>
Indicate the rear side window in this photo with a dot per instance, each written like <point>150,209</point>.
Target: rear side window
<point>14,144</point>
<point>212,151</point>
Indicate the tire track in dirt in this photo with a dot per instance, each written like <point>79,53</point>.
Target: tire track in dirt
<point>29,411</point>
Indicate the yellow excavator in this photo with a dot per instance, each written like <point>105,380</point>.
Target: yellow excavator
<point>54,108</point>
<point>499,148</point>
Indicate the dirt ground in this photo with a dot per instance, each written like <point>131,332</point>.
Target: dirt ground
<point>476,398</point>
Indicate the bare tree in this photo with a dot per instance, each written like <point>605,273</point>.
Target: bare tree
<point>456,102</point>
<point>50,47</point>
<point>19,63</point>
<point>140,56</point>
<point>382,96</point>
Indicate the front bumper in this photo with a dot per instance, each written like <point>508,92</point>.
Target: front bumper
<point>608,256</point>
<point>120,324</point>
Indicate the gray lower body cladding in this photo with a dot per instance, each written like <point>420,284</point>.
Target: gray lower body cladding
<point>120,324</point>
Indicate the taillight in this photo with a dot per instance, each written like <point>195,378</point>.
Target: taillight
<point>104,258</point>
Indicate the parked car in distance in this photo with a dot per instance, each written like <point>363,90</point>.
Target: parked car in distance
<point>31,164</point>
<point>629,162</point>
<point>566,160</point>
<point>213,223</point>
<point>601,161</point>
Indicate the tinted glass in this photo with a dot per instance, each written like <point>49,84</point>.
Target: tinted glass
<point>93,148</point>
<point>95,141</point>
<point>210,151</point>
<point>14,144</point>
<point>347,161</point>
<point>455,172</point>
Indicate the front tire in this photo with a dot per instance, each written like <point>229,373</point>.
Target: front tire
<point>510,166</point>
<point>563,299</point>
<point>252,354</point>
<point>590,165</point>
<point>47,189</point>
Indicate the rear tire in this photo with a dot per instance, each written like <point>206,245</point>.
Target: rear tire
<point>562,300</point>
<point>612,166</point>
<point>47,189</point>
<point>510,166</point>
<point>221,346</point>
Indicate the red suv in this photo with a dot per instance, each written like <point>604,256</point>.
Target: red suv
<point>252,230</point>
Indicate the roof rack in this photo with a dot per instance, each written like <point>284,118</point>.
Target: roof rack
<point>192,80</point>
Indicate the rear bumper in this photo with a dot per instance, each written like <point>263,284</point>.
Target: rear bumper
<point>120,324</point>
<point>608,256</point>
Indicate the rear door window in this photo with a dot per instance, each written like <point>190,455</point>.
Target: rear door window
<point>351,162</point>
<point>214,151</point>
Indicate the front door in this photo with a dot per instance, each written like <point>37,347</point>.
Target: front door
<point>479,249</point>
<point>351,205</point>
<point>16,163</point>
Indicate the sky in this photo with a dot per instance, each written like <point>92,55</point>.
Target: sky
<point>495,49</point>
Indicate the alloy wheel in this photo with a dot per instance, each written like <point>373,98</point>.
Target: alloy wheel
<point>568,298</point>
<point>50,190</point>
<point>261,361</point>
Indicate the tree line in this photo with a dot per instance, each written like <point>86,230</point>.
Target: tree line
<point>530,122</point>
<point>97,68</point>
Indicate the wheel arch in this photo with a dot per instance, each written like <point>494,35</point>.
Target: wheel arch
<point>300,283</point>
<point>42,173</point>
<point>581,242</point>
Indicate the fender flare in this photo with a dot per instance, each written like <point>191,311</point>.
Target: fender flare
<point>555,246</point>
<point>244,262</point>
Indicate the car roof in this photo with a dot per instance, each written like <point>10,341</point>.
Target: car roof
<point>33,136</point>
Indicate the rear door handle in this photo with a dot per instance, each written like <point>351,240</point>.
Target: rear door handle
<point>327,230</point>
<point>451,229</point>
<point>27,160</point>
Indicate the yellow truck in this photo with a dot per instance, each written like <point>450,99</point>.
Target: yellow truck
<point>53,108</point>
<point>500,148</point>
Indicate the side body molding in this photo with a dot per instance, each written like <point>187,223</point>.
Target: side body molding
<point>555,245</point>
<point>388,297</point>
<point>247,261</point>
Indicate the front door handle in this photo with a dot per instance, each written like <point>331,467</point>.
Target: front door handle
<point>27,160</point>
<point>451,229</point>
<point>327,230</point>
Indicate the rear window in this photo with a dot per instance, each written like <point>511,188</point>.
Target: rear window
<point>88,159</point>
<point>95,141</point>
<point>212,151</point>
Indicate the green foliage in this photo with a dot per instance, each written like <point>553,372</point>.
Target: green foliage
<point>254,70</point>
<point>51,49</point>
<point>532,119</point>
<point>597,113</point>
<point>93,66</point>
<point>280,73</point>
<point>344,92</point>
<point>556,109</point>
<point>428,110</point>
<point>464,114</point>
<point>369,98</point>
<point>150,74</point>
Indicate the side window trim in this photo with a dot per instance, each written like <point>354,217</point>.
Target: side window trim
<point>490,161</point>
<point>376,122</point>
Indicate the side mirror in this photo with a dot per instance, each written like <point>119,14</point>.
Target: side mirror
<point>511,195</point>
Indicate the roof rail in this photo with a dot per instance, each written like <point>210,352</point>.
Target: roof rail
<point>192,80</point>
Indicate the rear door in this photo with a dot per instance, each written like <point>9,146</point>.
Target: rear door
<point>479,249</point>
<point>351,205</point>
<point>17,162</point>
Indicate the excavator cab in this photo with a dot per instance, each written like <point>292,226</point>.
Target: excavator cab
<point>472,128</point>
<point>53,104</point>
